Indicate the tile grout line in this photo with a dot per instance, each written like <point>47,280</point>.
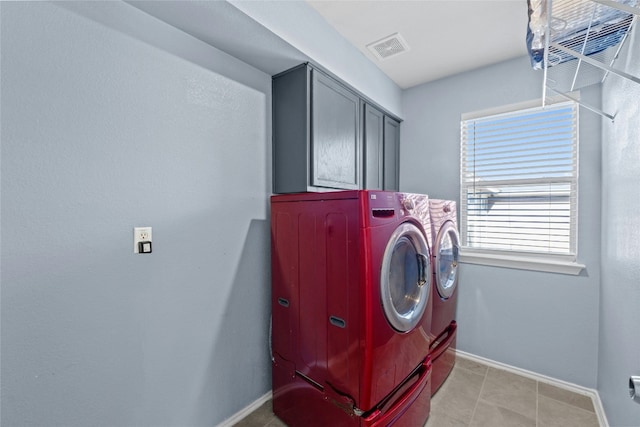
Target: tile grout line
<point>544,379</point>
<point>572,406</point>
<point>473,414</point>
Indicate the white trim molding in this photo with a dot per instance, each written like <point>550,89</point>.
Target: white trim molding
<point>585,391</point>
<point>520,261</point>
<point>242,413</point>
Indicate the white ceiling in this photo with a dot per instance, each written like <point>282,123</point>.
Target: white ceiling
<point>444,37</point>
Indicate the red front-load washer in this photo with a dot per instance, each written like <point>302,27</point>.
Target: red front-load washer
<point>351,308</point>
<point>445,288</point>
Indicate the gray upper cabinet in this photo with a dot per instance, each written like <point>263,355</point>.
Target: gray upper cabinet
<point>316,133</point>
<point>381,141</point>
<point>326,137</point>
<point>373,137</point>
<point>335,134</point>
<point>391,154</point>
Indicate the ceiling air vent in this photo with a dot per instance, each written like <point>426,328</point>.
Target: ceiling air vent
<point>389,46</point>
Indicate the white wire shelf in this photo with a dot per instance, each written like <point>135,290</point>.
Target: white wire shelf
<point>578,42</point>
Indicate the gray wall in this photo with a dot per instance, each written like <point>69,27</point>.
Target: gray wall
<point>619,355</point>
<point>546,323</point>
<point>113,119</point>
<point>112,124</point>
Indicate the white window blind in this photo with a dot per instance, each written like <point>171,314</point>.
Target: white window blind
<point>519,178</point>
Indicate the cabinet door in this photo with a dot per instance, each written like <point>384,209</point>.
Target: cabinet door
<point>373,148</point>
<point>335,135</point>
<point>391,154</point>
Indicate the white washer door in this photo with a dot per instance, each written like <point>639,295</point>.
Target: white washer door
<point>405,277</point>
<point>446,263</point>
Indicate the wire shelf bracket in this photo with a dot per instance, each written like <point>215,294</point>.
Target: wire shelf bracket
<point>582,41</point>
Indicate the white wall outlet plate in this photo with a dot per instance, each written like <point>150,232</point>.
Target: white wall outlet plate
<point>141,234</point>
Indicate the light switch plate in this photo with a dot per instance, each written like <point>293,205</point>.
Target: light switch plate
<point>141,234</point>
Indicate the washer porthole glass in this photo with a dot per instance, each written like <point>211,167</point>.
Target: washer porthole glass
<point>405,277</point>
<point>446,264</point>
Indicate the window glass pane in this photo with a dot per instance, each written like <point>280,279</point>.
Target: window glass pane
<point>519,180</point>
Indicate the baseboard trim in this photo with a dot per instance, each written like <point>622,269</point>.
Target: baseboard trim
<point>235,418</point>
<point>592,393</point>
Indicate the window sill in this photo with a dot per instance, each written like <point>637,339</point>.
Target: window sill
<point>522,262</point>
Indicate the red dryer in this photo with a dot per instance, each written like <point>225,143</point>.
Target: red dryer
<point>351,308</point>
<point>445,246</point>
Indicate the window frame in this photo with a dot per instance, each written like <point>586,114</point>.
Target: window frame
<point>547,262</point>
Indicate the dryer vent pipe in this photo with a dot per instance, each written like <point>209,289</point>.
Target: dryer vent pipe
<point>634,388</point>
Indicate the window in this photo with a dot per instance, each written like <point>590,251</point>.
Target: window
<point>519,179</point>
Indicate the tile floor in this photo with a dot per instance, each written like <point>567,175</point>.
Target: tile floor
<point>477,395</point>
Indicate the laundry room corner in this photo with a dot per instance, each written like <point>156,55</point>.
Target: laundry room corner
<point>543,322</point>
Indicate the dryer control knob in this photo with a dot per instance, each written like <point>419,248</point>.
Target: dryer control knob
<point>446,208</point>
<point>408,204</point>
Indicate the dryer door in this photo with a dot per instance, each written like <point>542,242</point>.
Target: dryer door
<point>405,277</point>
<point>446,262</point>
